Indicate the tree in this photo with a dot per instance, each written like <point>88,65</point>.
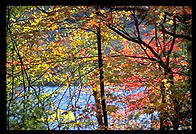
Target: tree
<point>126,57</point>
<point>155,51</point>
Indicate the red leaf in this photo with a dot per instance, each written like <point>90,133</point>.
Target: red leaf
<point>83,51</point>
<point>145,34</point>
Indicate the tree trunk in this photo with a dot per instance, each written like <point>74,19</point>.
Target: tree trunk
<point>163,114</point>
<point>98,109</point>
<point>101,78</point>
<point>175,118</point>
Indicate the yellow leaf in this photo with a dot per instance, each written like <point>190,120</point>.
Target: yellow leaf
<point>170,22</point>
<point>51,119</point>
<point>84,59</point>
<point>12,19</point>
<point>108,64</point>
<point>92,14</point>
<point>69,117</point>
<point>66,83</point>
<point>164,80</point>
<point>42,119</point>
<point>161,16</point>
<point>128,18</point>
<point>168,85</point>
<point>102,11</point>
<point>95,89</point>
<point>60,48</point>
<point>33,23</point>
<point>26,29</point>
<point>37,20</point>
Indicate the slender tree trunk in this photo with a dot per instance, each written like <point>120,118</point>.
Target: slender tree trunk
<point>101,78</point>
<point>189,52</point>
<point>162,113</point>
<point>175,118</point>
<point>98,109</point>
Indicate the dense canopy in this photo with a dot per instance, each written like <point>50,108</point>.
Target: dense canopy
<point>99,67</point>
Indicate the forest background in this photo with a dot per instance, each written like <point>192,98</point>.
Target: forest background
<point>99,67</point>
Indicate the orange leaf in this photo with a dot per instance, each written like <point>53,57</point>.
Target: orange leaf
<point>92,23</point>
<point>40,48</point>
<point>53,27</point>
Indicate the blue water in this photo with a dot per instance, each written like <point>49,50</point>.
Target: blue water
<point>68,96</point>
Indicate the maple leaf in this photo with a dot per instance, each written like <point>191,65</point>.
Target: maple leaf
<point>127,78</point>
<point>164,80</point>
<point>53,27</point>
<point>92,23</point>
<point>40,48</point>
<point>102,11</point>
<point>83,51</point>
<point>92,14</point>
<point>145,34</point>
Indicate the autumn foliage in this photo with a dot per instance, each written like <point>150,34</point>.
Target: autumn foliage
<point>70,67</point>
